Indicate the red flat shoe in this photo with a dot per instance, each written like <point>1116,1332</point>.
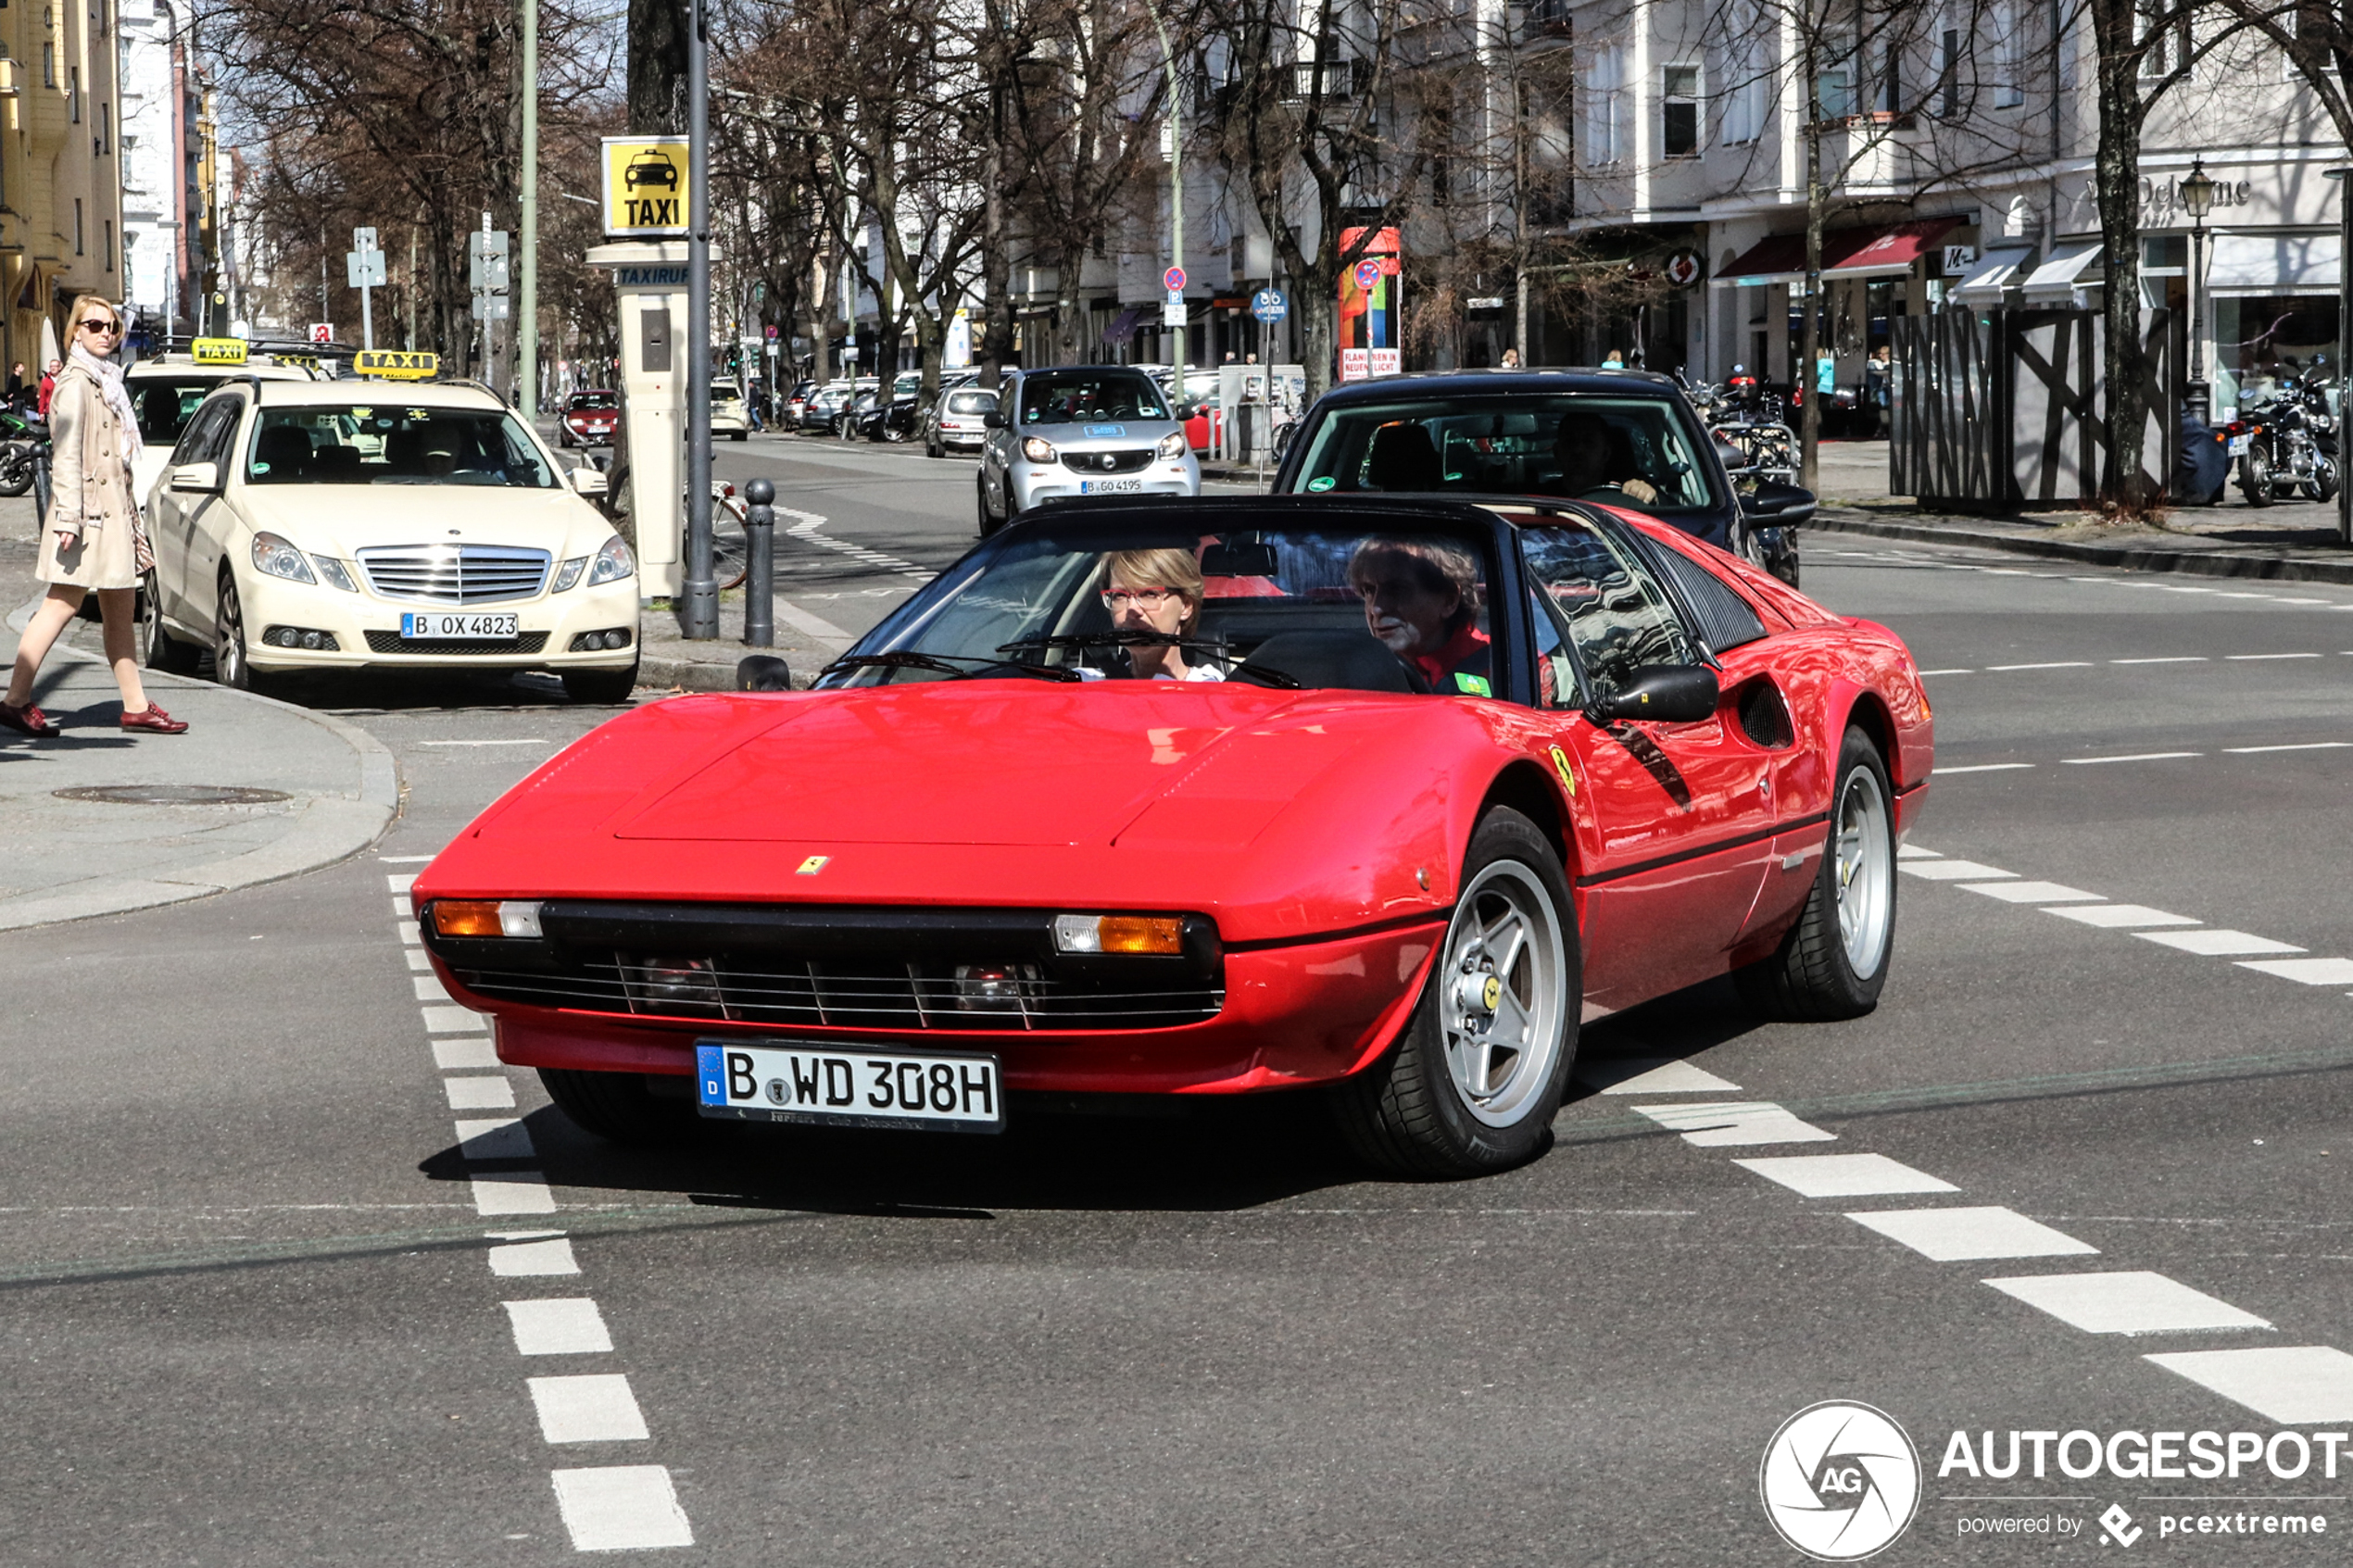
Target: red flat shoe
<point>28,720</point>
<point>155,720</point>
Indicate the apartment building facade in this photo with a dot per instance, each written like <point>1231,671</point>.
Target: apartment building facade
<point>60,204</point>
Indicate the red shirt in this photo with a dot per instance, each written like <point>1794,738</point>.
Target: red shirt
<point>1467,647</point>
<point>48,389</point>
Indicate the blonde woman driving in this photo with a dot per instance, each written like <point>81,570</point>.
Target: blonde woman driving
<point>1155,591</point>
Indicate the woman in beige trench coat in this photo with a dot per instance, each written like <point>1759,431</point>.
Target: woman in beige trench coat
<point>93,539</point>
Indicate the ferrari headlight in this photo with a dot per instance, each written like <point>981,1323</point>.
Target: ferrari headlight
<point>614,562</point>
<point>568,573</point>
<point>334,573</point>
<point>1172,446</point>
<point>1119,933</point>
<point>274,556</point>
<point>484,917</point>
<point>1038,449</point>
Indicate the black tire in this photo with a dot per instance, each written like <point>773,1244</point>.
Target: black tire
<point>601,688</point>
<point>16,470</point>
<point>2324,479</point>
<point>158,649</point>
<point>2255,477</point>
<point>980,495</point>
<point>1817,976</point>
<point>1410,1113</point>
<point>739,435</point>
<point>231,668</point>
<point>618,1107</point>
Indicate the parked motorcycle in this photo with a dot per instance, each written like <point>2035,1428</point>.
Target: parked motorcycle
<point>23,441</point>
<point>2286,443</point>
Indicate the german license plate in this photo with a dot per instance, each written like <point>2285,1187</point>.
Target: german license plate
<point>940,1091</point>
<point>1109,486</point>
<point>457,628</point>
<point>2238,445</point>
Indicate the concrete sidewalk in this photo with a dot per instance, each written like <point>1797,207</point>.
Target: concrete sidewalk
<point>97,821</point>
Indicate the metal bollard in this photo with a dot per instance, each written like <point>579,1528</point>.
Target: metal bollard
<point>759,582</point>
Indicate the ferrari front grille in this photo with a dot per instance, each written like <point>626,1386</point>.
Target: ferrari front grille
<point>457,574</point>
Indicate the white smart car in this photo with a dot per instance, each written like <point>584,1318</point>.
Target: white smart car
<point>340,525</point>
<point>1079,430</point>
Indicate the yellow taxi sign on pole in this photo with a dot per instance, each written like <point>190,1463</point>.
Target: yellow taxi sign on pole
<point>218,350</point>
<point>645,186</point>
<point>396,364</point>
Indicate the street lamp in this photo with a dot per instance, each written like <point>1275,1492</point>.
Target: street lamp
<point>2197,200</point>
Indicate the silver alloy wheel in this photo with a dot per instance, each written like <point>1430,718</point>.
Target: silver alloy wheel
<point>229,637</point>
<point>1866,871</point>
<point>1501,1008</point>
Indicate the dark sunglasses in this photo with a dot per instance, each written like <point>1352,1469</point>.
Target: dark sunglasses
<point>95,325</point>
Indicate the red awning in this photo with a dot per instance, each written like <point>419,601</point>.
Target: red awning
<point>1859,252</point>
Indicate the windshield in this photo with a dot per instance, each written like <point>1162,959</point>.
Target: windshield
<point>594,400</point>
<point>1638,452</point>
<point>1050,398</point>
<point>723,392</point>
<point>165,406</point>
<point>394,446</point>
<point>1402,610</point>
<point>971,401</point>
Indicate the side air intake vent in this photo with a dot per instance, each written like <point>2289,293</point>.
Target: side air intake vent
<point>1763,715</point>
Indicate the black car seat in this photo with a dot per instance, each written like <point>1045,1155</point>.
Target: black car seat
<point>286,450</point>
<point>1356,661</point>
<point>1402,459</point>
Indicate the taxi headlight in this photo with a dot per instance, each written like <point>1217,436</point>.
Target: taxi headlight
<point>1038,449</point>
<point>334,573</point>
<point>614,562</point>
<point>274,556</point>
<point>568,573</point>
<point>1172,446</point>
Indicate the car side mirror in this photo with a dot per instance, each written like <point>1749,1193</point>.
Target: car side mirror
<point>587,482</point>
<point>1732,457</point>
<point>203,478</point>
<point>993,419</point>
<point>1666,693</point>
<point>762,673</point>
<point>1784,506</point>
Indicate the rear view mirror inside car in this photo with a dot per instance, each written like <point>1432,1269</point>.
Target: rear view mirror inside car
<point>1252,558</point>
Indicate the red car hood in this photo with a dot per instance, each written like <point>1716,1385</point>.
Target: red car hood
<point>1111,795</point>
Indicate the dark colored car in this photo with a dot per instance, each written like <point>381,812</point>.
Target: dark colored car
<point>1640,447</point>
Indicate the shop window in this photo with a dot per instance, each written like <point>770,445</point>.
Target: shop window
<point>1678,112</point>
<point>2261,339</point>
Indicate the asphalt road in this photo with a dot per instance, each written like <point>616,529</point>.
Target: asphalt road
<point>250,1311</point>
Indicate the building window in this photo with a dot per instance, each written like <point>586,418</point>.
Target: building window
<point>106,127</point>
<point>76,225</point>
<point>1834,88</point>
<point>2010,54</point>
<point>48,65</point>
<point>73,96</point>
<point>1744,84</point>
<point>1678,112</point>
<point>2166,37</point>
<point>1948,72</point>
<point>106,228</point>
<point>1606,107</point>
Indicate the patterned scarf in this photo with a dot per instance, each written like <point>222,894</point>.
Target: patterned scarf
<point>108,375</point>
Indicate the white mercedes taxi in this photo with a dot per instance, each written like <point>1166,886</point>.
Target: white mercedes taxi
<point>350,524</point>
<point>165,390</point>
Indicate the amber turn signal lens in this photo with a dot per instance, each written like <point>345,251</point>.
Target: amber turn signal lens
<point>1142,933</point>
<point>467,917</point>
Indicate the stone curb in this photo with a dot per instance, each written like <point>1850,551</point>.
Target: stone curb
<point>2131,557</point>
<point>325,830</point>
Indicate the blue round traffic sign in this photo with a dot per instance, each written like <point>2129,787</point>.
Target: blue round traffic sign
<point>1269,305</point>
<point>1173,280</point>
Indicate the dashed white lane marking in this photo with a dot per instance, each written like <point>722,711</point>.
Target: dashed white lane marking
<point>1651,1075</point>
<point>1959,1236</point>
<point>2126,1301</point>
<point>2304,972</point>
<point>520,740</point>
<point>1949,671</point>
<point>2054,664</point>
<point>2120,917</point>
<point>498,1138</point>
<point>523,1259</point>
<point>588,1407</point>
<point>419,960</point>
<point>512,1192</point>
<point>400,882</point>
<point>2170,658</point>
<point>459,1052</point>
<point>2304,745</point>
<point>429,989</point>
<point>2218,943</point>
<point>806,530</point>
<point>2260,658</point>
<point>2135,757</point>
<point>558,1325</point>
<point>621,1508</point>
<point>1953,871</point>
<point>480,1094</point>
<point>1721,1126</point>
<point>409,934</point>
<point>1914,852</point>
<point>451,1021</point>
<point>1984,768</point>
<point>2031,892</point>
<point>1843,1176</point>
<point>402,859</point>
<point>2292,1385</point>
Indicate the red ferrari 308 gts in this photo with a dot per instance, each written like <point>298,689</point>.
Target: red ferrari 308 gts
<point>1382,798</point>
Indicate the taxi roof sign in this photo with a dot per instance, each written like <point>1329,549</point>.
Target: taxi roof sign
<point>396,364</point>
<point>218,350</point>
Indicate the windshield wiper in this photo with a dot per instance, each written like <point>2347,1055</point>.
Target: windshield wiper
<point>944,663</point>
<point>1114,639</point>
